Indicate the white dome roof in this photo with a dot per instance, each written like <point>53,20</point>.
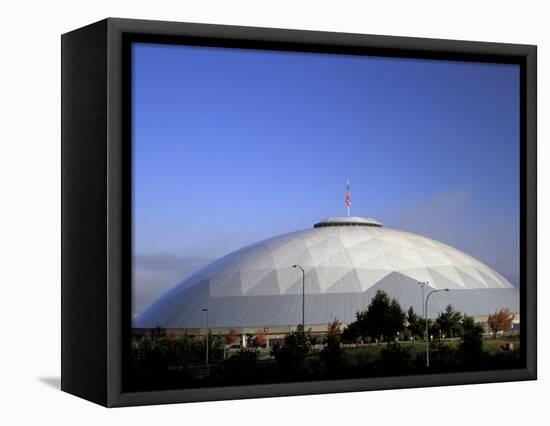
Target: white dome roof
<point>338,260</point>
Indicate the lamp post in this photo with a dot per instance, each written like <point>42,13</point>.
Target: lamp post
<point>207,333</point>
<point>426,312</point>
<point>303,298</point>
<point>423,284</point>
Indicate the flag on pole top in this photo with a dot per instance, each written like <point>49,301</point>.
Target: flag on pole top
<point>348,197</point>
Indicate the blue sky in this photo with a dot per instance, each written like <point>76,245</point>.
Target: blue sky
<point>232,146</point>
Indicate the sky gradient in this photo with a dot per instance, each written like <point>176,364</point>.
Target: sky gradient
<point>233,146</point>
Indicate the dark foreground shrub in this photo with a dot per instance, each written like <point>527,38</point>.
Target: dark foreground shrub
<point>444,357</point>
<point>242,366</point>
<point>395,358</point>
<point>291,355</point>
<point>471,344</point>
<point>331,355</point>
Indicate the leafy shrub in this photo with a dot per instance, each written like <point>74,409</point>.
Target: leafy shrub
<point>242,365</point>
<point>395,357</point>
<point>290,356</point>
<point>471,344</point>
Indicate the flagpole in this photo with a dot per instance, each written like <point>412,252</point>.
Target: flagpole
<point>348,197</point>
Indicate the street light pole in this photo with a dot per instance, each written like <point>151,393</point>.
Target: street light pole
<point>423,284</point>
<point>427,332</point>
<point>207,333</point>
<point>303,298</point>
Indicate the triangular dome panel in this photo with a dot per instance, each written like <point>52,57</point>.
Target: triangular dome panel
<point>349,283</point>
<point>265,285</point>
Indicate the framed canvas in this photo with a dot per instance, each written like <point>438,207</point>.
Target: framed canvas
<point>255,212</point>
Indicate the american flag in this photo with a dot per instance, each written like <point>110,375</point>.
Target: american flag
<point>348,196</point>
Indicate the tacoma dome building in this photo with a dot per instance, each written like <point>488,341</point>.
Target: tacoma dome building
<point>346,260</point>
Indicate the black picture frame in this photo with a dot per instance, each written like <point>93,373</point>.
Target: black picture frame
<point>96,200</point>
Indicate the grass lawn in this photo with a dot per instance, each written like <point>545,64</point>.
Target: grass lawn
<point>494,346</point>
<point>368,353</point>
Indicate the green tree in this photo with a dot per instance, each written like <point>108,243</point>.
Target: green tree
<point>292,353</point>
<point>396,320</point>
<point>415,324</point>
<point>331,355</point>
<point>449,322</point>
<point>382,319</point>
<point>351,333</point>
<point>471,344</point>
